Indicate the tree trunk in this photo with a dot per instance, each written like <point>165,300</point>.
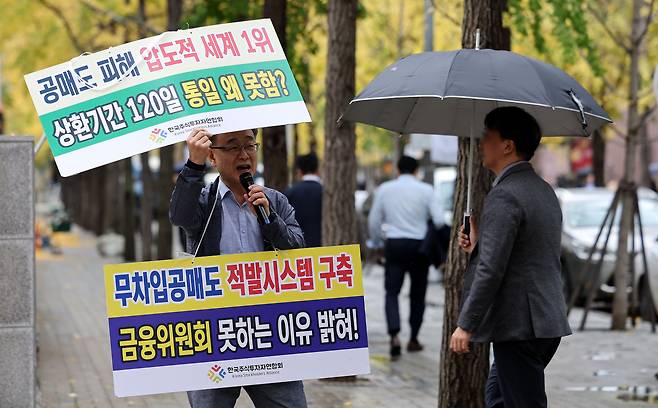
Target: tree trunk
<point>339,224</point>
<point>67,194</point>
<point>275,151</point>
<point>141,17</point>
<point>91,195</point>
<point>85,200</point>
<point>312,138</point>
<point>620,301</point>
<point>645,156</point>
<point>275,157</point>
<point>295,151</point>
<point>111,187</point>
<point>71,193</point>
<point>165,179</point>
<point>147,208</point>
<point>165,187</point>
<point>462,377</point>
<point>598,153</point>
<point>401,140</point>
<point>128,216</point>
<point>99,204</point>
<point>119,193</point>
<point>148,181</point>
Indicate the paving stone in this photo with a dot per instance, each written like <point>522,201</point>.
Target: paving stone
<point>74,352</point>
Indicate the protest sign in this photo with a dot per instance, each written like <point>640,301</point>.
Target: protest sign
<point>126,100</point>
<point>233,320</point>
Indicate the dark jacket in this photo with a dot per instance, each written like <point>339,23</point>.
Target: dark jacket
<point>306,198</point>
<point>513,287</point>
<point>190,205</point>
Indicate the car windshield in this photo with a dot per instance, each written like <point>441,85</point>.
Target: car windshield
<point>590,213</point>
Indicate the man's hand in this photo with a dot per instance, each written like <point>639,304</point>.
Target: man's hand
<point>467,243</point>
<point>459,342</point>
<point>257,196</point>
<point>198,144</point>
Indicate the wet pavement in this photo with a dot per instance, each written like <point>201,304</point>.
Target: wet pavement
<point>596,368</point>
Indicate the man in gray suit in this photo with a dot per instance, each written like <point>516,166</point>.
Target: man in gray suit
<point>513,290</point>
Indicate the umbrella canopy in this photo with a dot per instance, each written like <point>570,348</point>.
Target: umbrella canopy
<point>451,92</point>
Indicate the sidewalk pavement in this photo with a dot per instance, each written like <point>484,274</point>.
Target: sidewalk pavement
<point>74,367</point>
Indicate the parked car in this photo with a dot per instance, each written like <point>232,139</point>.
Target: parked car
<point>444,187</point>
<point>583,212</point>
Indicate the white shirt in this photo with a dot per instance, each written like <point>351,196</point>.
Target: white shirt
<point>402,208</point>
<point>312,177</point>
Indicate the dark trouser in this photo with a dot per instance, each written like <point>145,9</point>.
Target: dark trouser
<point>278,395</point>
<point>402,256</point>
<point>516,378</point>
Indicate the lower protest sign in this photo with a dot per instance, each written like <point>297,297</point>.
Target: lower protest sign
<point>234,320</point>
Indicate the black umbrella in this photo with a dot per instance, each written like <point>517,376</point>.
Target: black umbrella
<point>451,92</point>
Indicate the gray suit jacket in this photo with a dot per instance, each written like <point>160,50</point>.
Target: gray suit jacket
<point>190,205</point>
<point>513,287</point>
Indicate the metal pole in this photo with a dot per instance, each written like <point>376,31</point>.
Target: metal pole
<point>595,282</point>
<point>39,144</point>
<point>612,211</point>
<point>471,153</point>
<point>647,284</point>
<point>429,25</point>
<point>426,162</point>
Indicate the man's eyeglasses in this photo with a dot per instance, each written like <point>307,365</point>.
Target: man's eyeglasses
<point>234,149</point>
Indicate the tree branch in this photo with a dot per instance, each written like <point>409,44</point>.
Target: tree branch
<point>620,134</point>
<point>67,26</point>
<point>119,19</point>
<point>445,14</point>
<point>613,36</point>
<point>617,141</point>
<point>610,87</point>
<point>643,119</point>
<point>647,113</point>
<point>647,22</point>
<point>645,93</point>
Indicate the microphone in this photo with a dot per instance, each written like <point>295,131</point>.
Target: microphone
<point>246,179</point>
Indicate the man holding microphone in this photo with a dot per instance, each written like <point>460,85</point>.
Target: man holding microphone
<point>224,218</point>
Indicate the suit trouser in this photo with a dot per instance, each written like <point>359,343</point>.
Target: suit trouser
<point>277,395</point>
<point>516,378</point>
<point>402,256</point>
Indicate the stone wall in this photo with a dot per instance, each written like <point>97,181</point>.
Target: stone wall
<point>17,293</point>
